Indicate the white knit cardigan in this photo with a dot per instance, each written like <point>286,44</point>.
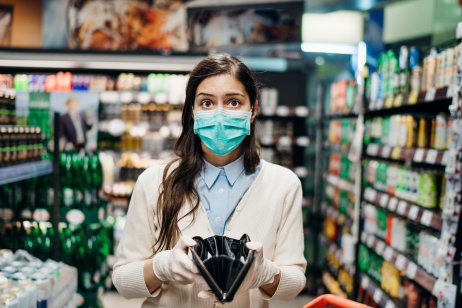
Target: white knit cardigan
<point>269,212</point>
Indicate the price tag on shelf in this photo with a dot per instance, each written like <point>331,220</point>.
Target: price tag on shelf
<point>365,282</point>
<point>386,151</point>
<point>393,204</point>
<point>402,207</point>
<point>285,141</point>
<point>377,297</point>
<point>411,270</point>
<point>444,160</point>
<point>390,304</point>
<point>432,155</point>
<point>419,155</point>
<point>388,254</point>
<point>430,95</point>
<point>143,97</point>
<point>450,91</point>
<point>370,241</point>
<point>363,237</point>
<point>372,149</point>
<point>380,247</point>
<point>370,194</point>
<point>267,140</point>
<point>126,97</point>
<point>396,153</point>
<point>400,262</point>
<point>302,141</point>
<point>384,200</point>
<point>282,111</point>
<point>426,218</point>
<point>302,111</point>
<point>413,212</point>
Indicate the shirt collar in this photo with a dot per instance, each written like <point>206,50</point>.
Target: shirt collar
<point>232,171</point>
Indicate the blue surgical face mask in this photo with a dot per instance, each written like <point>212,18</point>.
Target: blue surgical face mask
<point>222,130</point>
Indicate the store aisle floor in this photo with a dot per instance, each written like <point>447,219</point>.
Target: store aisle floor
<point>114,300</point>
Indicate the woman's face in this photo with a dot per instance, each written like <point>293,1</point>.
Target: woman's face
<point>221,91</point>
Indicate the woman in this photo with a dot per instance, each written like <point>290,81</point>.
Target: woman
<point>217,186</point>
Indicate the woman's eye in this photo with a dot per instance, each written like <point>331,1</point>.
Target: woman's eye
<point>234,103</point>
<point>206,104</point>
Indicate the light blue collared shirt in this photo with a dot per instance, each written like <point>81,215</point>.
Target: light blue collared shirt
<point>220,190</point>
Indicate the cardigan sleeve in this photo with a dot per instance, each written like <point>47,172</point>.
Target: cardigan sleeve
<point>290,246</point>
<point>135,246</point>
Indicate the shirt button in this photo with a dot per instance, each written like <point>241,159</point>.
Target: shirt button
<point>218,219</point>
<point>221,190</point>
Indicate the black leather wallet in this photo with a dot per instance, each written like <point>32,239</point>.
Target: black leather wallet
<point>223,262</point>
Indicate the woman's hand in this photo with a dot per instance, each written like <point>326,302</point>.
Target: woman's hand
<point>262,273</point>
<point>175,265</point>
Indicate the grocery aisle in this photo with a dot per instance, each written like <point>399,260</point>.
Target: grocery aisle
<point>366,111</point>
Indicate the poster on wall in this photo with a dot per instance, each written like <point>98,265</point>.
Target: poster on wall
<point>6,21</point>
<point>172,25</point>
<point>244,25</point>
<point>115,25</point>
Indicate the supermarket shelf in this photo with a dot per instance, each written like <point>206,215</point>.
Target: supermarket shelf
<point>328,280</point>
<point>379,296</point>
<point>339,115</point>
<point>340,218</point>
<point>403,208</point>
<point>410,269</point>
<point>285,141</point>
<point>302,172</point>
<point>434,99</point>
<point>339,183</point>
<point>416,155</point>
<point>285,112</point>
<point>332,272</point>
<point>338,254</point>
<point>336,146</point>
<point>25,171</point>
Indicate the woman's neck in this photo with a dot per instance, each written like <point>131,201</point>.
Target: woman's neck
<point>219,161</point>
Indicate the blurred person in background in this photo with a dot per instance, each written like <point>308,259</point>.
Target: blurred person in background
<point>74,126</point>
<point>217,185</point>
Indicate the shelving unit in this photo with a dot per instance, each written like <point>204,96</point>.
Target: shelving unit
<point>403,208</point>
<point>338,195</point>
<point>408,267</point>
<point>16,173</point>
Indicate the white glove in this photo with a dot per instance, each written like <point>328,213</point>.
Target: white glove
<point>261,272</point>
<point>175,265</point>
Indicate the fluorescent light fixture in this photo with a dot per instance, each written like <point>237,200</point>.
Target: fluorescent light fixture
<point>345,49</point>
<point>340,27</point>
<point>266,64</point>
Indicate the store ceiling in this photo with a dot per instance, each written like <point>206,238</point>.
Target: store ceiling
<point>323,6</point>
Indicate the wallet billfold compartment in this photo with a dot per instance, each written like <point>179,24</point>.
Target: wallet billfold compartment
<point>223,262</point>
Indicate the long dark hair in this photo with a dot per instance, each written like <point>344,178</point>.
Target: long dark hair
<point>178,184</point>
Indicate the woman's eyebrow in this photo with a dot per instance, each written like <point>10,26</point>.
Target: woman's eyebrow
<point>226,94</point>
<point>204,94</point>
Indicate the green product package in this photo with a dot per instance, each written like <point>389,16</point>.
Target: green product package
<point>427,190</point>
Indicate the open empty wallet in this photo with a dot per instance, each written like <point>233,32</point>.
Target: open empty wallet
<point>223,262</point>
